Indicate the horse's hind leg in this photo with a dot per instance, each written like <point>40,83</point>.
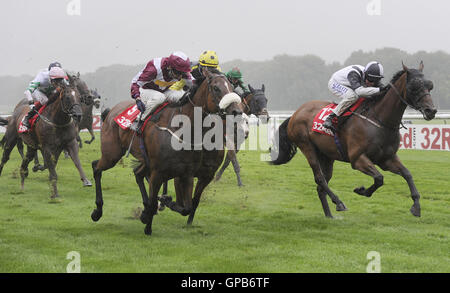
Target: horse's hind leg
<point>396,167</point>
<point>154,186</point>
<point>183,190</point>
<point>139,173</point>
<point>24,167</point>
<point>313,159</point>
<point>92,136</point>
<point>7,148</point>
<point>366,166</point>
<point>326,165</point>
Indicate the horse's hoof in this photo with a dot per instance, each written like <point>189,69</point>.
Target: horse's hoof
<point>415,210</point>
<point>55,199</point>
<point>35,169</point>
<point>340,207</point>
<point>86,183</point>
<point>165,199</point>
<point>148,230</point>
<point>96,215</point>
<point>87,141</point>
<point>360,190</point>
<point>161,206</point>
<point>144,218</point>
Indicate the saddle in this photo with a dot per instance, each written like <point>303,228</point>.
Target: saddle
<point>322,115</point>
<point>33,120</point>
<point>127,117</point>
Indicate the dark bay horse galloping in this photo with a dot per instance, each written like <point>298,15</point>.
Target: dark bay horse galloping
<point>158,160</point>
<point>254,103</point>
<point>53,132</point>
<point>366,139</point>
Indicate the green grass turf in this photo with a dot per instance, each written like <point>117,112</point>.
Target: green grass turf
<point>274,223</point>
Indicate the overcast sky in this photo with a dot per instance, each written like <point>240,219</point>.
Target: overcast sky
<point>34,33</point>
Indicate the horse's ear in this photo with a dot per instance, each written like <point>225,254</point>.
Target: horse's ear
<point>78,74</point>
<point>404,66</point>
<point>421,66</point>
<point>263,88</point>
<point>251,89</point>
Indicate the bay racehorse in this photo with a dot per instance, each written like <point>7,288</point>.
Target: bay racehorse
<point>54,131</point>
<point>368,138</point>
<point>254,103</point>
<point>158,160</point>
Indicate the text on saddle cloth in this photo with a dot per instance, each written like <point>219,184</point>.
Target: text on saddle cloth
<point>322,115</point>
<point>127,117</point>
<point>33,120</point>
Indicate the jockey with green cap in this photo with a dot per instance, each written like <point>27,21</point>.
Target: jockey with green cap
<point>235,78</point>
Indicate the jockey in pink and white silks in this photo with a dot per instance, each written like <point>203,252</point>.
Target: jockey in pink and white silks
<point>352,82</point>
<point>40,87</point>
<point>150,87</point>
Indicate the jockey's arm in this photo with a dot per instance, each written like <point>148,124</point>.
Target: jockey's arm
<point>367,91</point>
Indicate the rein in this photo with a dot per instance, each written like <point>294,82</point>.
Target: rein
<point>64,110</point>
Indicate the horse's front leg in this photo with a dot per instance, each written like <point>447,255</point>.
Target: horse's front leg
<point>72,149</point>
<point>50,160</point>
<point>229,156</point>
<point>237,169</point>
<point>395,166</point>
<point>201,185</point>
<point>365,165</point>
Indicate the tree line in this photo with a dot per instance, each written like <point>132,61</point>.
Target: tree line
<point>289,80</point>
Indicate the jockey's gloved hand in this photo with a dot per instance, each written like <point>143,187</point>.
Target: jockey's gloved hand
<point>31,102</point>
<point>140,105</point>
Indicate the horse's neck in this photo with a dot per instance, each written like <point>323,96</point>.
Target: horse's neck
<point>390,109</point>
<point>54,112</point>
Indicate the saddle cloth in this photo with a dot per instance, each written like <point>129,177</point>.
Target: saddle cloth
<point>127,117</point>
<point>322,115</point>
<point>33,120</point>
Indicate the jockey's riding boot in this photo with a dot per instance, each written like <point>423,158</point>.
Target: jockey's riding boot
<point>329,122</point>
<point>26,121</point>
<point>33,111</point>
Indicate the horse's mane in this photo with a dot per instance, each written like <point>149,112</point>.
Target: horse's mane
<point>368,103</point>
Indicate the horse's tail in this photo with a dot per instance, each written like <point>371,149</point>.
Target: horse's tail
<point>105,113</point>
<point>285,150</point>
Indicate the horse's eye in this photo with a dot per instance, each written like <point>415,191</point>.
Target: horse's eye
<point>428,84</point>
<point>216,89</point>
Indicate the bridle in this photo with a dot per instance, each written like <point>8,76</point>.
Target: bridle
<point>405,100</point>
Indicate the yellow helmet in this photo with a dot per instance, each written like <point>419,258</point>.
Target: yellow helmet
<point>209,58</point>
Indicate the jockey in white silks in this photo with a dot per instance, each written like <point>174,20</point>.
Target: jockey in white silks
<point>352,82</point>
<point>40,87</point>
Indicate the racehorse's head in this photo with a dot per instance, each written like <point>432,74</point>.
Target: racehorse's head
<point>257,102</point>
<point>69,98</point>
<point>85,94</point>
<point>221,98</point>
<point>418,92</point>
